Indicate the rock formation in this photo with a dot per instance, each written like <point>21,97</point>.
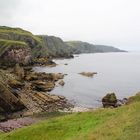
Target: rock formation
<point>88,74</point>
<point>109,100</point>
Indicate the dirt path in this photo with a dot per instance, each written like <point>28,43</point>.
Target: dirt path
<point>13,124</point>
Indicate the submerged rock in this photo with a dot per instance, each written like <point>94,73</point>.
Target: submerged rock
<point>58,76</point>
<point>88,74</point>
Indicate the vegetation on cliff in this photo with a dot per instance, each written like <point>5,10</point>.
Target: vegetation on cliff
<point>56,47</point>
<point>103,124</point>
<point>46,46</point>
<point>84,47</point>
<point>18,34</point>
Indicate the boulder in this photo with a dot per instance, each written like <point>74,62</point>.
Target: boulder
<point>58,76</point>
<point>32,76</point>
<point>43,86</point>
<point>109,100</point>
<point>61,82</point>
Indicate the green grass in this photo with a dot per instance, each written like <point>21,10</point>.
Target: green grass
<point>122,123</point>
<point>6,31</point>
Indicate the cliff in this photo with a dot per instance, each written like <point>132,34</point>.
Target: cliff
<point>55,46</point>
<point>84,47</point>
<point>12,52</point>
<point>38,46</point>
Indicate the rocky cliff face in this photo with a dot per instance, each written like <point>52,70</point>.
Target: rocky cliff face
<point>21,56</point>
<point>18,34</point>
<point>84,47</point>
<point>13,52</point>
<point>41,46</point>
<point>55,46</point>
<point>14,56</point>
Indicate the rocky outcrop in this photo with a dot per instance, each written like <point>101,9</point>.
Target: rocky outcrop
<point>110,100</point>
<point>61,82</point>
<point>35,93</point>
<point>8,101</point>
<point>43,86</point>
<point>17,55</point>
<point>44,62</point>
<point>23,36</point>
<point>58,76</point>
<point>26,91</point>
<point>13,52</point>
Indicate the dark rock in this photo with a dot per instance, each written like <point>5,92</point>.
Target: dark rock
<point>8,101</point>
<point>121,102</point>
<point>109,100</point>
<point>13,83</point>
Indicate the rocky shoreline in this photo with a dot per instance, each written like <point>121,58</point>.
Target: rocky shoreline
<point>27,92</point>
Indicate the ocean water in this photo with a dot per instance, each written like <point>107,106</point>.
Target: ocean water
<point>117,72</point>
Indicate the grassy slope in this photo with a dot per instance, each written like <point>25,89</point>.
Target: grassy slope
<point>6,32</point>
<point>103,124</point>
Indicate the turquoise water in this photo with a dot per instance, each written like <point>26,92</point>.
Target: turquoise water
<point>117,72</point>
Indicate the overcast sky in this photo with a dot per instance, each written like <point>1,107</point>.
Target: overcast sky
<point>110,22</point>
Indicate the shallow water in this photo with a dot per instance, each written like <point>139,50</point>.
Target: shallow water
<point>117,72</point>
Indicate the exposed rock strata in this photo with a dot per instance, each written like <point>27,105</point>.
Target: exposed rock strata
<point>28,91</point>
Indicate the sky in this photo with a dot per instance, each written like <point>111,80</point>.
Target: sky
<point>107,22</point>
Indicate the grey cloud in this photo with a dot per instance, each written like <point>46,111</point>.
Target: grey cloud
<point>111,22</point>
